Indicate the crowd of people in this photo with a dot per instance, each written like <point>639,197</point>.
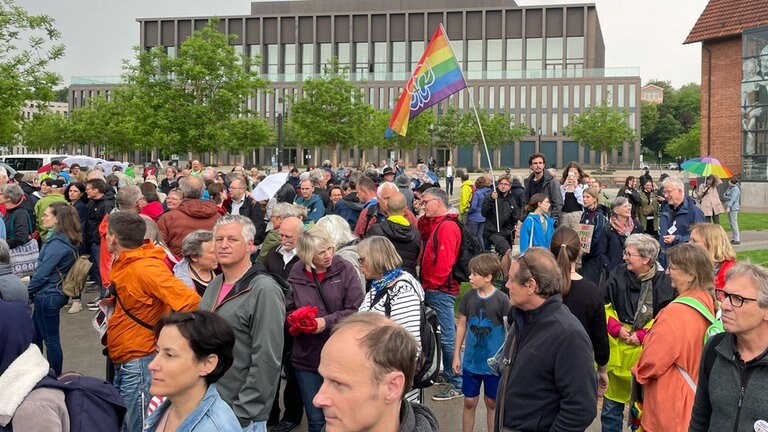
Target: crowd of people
<point>210,295</point>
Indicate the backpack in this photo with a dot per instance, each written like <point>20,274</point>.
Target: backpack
<point>430,355</point>
<point>73,283</point>
<point>469,248</point>
<point>93,404</point>
<point>716,325</point>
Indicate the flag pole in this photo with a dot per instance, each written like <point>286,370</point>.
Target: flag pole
<point>487,154</point>
<point>482,134</point>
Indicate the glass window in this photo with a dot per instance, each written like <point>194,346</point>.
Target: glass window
<point>535,126</point>
<point>494,56</point>
<point>398,57</point>
<point>576,102</point>
<point>533,54</point>
<point>512,98</point>
<point>514,54</point>
<point>289,59</point>
<point>492,99</point>
<point>523,103</point>
<point>620,98</point>
<point>565,98</point>
<point>609,95</point>
<point>272,59</point>
<point>342,52</point>
<point>565,122</point>
<point>171,50</point>
<point>254,51</point>
<point>598,94</point>
<point>307,58</point>
<point>417,50</point>
<point>502,98</point>
<point>554,48</point>
<point>326,54</point>
<point>474,56</point>
<point>554,97</point>
<point>361,56</point>
<point>544,103</point>
<point>534,101</point>
<point>632,90</point>
<point>575,47</point>
<point>458,51</point>
<point>587,96</point>
<point>380,57</point>
<point>554,123</point>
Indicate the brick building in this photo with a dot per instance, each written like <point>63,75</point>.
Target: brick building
<point>734,90</point>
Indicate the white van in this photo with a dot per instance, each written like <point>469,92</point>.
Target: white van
<point>30,162</point>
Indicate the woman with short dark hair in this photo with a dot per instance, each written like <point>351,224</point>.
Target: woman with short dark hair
<point>194,350</point>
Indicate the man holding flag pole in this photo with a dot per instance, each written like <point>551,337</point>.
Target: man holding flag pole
<point>436,77</point>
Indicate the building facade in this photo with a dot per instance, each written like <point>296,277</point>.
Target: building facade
<point>734,91</point>
<point>538,65</point>
<point>652,93</point>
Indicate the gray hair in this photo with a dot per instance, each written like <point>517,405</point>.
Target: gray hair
<point>673,182</point>
<point>13,193</point>
<point>192,245</point>
<point>192,187</point>
<point>386,185</point>
<point>249,230</point>
<point>311,242</point>
<point>96,172</point>
<point>759,276</point>
<point>317,176</point>
<point>3,172</point>
<point>5,252</point>
<point>284,210</point>
<point>646,245</point>
<point>29,177</point>
<point>618,202</point>
<point>438,193</point>
<point>128,196</point>
<point>338,228</point>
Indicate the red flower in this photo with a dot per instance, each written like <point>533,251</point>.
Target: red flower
<point>302,320</point>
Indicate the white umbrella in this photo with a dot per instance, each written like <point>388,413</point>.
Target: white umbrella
<point>268,187</point>
<point>87,161</point>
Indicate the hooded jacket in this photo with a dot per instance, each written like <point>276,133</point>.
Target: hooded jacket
<point>466,196</point>
<point>255,307</point>
<point>372,215</point>
<point>154,210</point>
<point>314,205</point>
<point>415,417</point>
<point>437,264</point>
<point>97,209</point>
<point>507,209</point>
<point>404,236</point>
<point>11,287</point>
<point>475,213</point>
<point>341,289</point>
<point>551,188</point>
<point>349,207</point>
<point>148,289</point>
<point>190,215</point>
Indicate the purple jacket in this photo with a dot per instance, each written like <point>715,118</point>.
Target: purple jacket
<point>342,290</point>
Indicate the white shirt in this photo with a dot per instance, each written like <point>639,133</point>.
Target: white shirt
<point>236,205</point>
<point>287,255</point>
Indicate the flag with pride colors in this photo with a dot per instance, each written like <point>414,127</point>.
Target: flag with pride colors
<point>436,77</point>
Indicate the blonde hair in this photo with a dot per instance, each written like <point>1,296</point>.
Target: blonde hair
<point>715,241</point>
<point>380,254</point>
<point>312,241</point>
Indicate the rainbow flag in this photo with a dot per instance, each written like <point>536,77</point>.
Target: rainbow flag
<point>436,77</point>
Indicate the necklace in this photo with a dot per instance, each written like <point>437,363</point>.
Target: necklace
<point>168,419</point>
<point>198,277</point>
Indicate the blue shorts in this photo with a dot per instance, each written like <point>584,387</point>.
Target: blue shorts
<point>470,384</point>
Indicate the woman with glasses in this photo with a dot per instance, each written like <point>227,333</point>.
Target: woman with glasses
<point>173,199</point>
<point>330,283</point>
<point>635,293</point>
<point>394,292</point>
<point>194,350</point>
<point>500,212</point>
<point>714,240</point>
<point>668,367</point>
<point>622,224</point>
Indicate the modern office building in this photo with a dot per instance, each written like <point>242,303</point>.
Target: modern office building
<point>540,65</point>
<point>734,90</point>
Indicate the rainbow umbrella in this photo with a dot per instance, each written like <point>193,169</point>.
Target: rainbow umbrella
<point>704,166</point>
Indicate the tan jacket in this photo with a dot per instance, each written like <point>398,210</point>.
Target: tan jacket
<point>709,199</point>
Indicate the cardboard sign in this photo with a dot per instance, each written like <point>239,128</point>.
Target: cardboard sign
<point>585,237</point>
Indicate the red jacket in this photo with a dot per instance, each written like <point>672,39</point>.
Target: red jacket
<point>720,276</point>
<point>190,215</point>
<point>437,264</point>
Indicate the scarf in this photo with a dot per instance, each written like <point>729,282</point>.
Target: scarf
<point>644,312</point>
<point>386,280</point>
<point>622,228</point>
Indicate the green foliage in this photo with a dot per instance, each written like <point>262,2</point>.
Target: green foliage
<point>676,115</point>
<point>195,102</point>
<point>330,110</point>
<point>601,128</point>
<point>686,144</point>
<point>419,132</point>
<point>62,95</point>
<point>496,127</point>
<point>450,128</point>
<point>27,48</point>
<point>46,132</point>
<point>667,128</point>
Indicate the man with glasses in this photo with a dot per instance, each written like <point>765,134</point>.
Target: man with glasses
<point>440,288</point>
<point>733,377</point>
<point>501,213</point>
<point>677,215</point>
<point>547,353</point>
<point>241,203</point>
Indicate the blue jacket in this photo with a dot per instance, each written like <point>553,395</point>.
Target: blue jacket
<point>733,197</point>
<point>686,216</point>
<point>532,227</point>
<point>349,210</point>
<point>314,205</point>
<point>53,263</point>
<point>211,415</point>
<point>475,212</point>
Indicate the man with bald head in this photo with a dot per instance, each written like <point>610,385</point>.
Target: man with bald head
<point>399,230</point>
<point>379,211</point>
<point>191,215</point>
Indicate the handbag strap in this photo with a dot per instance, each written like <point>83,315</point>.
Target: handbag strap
<point>687,378</point>
<point>692,302</point>
<point>505,377</point>
<point>113,290</point>
<point>320,291</point>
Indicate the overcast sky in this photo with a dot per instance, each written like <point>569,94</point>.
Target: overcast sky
<point>100,34</point>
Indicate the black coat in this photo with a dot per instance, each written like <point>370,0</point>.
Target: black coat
<point>622,291</point>
<point>615,249</point>
<point>19,224</point>
<point>508,212</point>
<point>406,239</point>
<point>276,266</point>
<point>252,210</point>
<point>97,209</point>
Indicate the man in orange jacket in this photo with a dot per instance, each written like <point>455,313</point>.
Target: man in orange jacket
<point>144,290</point>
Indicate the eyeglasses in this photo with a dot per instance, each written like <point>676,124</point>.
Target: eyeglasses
<point>735,299</point>
<point>428,200</point>
<point>361,260</point>
<point>629,255</point>
<point>504,184</point>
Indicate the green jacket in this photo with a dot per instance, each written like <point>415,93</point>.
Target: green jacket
<point>255,307</point>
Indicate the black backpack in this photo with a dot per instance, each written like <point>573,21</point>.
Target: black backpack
<point>92,403</point>
<point>430,355</point>
<point>469,248</point>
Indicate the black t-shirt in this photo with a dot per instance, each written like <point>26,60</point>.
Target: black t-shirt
<point>570,204</point>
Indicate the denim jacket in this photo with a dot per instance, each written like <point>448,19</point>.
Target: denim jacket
<point>211,415</point>
<point>55,259</point>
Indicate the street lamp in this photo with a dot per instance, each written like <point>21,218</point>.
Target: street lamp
<point>538,141</point>
<point>280,115</point>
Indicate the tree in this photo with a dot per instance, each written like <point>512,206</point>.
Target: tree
<point>667,128</point>
<point>27,48</point>
<point>329,111</point>
<point>46,132</point>
<point>601,128</point>
<point>62,94</point>
<point>686,144</point>
<point>451,128</point>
